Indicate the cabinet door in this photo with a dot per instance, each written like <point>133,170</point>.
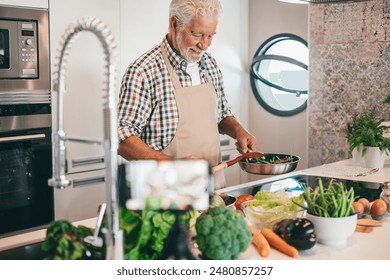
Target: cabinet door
<point>27,3</point>
<point>233,174</point>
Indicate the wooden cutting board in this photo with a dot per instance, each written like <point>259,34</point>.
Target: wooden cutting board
<point>369,222</point>
<point>364,229</point>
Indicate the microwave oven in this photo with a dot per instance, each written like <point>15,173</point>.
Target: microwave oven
<point>24,55</point>
<point>18,49</point>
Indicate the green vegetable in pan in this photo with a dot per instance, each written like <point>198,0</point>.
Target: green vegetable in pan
<point>274,160</point>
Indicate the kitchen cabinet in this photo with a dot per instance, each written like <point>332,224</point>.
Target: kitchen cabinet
<point>233,174</point>
<point>27,3</point>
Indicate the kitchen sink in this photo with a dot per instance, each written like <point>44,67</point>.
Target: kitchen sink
<point>27,252</point>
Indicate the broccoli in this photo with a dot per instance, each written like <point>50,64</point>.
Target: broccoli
<point>222,233</point>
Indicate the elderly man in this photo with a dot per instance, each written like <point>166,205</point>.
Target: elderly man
<point>172,102</point>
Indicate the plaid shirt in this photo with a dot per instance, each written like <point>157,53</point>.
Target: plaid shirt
<point>147,106</point>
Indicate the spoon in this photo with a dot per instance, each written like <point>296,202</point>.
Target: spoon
<point>226,164</point>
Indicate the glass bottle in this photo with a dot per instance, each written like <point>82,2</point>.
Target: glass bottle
<point>385,195</point>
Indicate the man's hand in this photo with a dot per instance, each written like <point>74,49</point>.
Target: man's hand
<point>246,142</point>
<point>233,128</point>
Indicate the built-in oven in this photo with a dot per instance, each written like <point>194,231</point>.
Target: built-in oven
<point>26,200</point>
<point>24,55</point>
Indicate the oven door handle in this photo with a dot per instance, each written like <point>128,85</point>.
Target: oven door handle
<point>22,138</point>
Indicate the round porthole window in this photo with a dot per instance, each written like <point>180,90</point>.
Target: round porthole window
<point>279,74</point>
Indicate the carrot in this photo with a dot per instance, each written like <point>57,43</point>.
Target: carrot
<point>278,243</point>
<point>260,242</point>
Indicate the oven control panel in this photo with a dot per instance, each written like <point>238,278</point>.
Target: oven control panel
<point>28,57</point>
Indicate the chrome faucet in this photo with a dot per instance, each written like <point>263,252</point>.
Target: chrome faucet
<point>113,234</point>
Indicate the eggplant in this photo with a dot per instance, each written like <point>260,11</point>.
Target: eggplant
<point>298,232</point>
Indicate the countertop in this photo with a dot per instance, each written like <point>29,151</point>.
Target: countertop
<point>360,246</point>
<point>35,236</point>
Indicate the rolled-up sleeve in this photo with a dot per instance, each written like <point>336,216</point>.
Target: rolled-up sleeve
<point>134,106</point>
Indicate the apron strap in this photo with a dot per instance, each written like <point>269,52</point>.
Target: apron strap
<point>172,73</point>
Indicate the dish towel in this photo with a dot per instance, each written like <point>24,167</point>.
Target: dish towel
<point>340,170</point>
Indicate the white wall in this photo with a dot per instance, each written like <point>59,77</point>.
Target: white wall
<point>274,133</point>
<point>83,102</point>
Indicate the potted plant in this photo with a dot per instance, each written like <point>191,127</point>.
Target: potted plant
<point>365,135</point>
<point>330,209</point>
<point>387,99</point>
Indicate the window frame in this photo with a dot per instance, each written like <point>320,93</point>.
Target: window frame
<point>261,54</point>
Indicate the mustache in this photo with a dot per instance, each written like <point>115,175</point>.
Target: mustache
<point>197,50</point>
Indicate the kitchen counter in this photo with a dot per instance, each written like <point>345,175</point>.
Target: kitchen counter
<point>35,236</point>
<point>363,246</point>
<point>360,246</point>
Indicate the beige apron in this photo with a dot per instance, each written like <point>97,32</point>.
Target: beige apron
<point>197,132</point>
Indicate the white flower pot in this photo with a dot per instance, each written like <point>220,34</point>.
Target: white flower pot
<point>357,156</point>
<point>374,158</point>
<point>333,231</point>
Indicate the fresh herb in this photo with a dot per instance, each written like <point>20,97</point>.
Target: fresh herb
<point>387,100</point>
<point>366,130</point>
<point>155,228</point>
<point>334,200</point>
<point>146,232</point>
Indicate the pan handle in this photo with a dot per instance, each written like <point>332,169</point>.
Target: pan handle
<point>225,164</point>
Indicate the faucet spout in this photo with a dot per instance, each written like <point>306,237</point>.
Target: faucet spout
<point>114,236</point>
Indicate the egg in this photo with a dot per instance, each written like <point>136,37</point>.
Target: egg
<point>381,201</point>
<point>378,207</point>
<point>358,207</point>
<point>365,203</point>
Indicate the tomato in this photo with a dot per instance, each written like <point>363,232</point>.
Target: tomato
<point>241,198</point>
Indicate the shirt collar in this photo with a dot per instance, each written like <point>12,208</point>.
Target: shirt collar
<point>176,60</point>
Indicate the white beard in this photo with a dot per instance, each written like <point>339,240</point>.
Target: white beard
<point>186,52</point>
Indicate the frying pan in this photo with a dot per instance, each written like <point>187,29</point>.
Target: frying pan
<point>251,166</point>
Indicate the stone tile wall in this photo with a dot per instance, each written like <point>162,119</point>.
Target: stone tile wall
<point>349,47</point>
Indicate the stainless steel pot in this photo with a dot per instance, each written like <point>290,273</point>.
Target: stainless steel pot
<point>251,166</point>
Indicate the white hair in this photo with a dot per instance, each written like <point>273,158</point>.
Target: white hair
<point>185,10</point>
